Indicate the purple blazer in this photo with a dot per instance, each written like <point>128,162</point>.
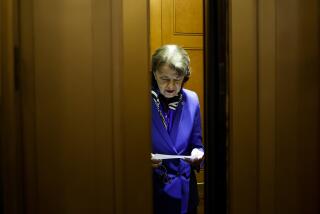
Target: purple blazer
<point>186,134</point>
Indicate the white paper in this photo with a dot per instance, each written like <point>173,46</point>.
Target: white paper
<point>163,156</point>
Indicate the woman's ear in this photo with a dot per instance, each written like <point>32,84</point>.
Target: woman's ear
<point>185,79</point>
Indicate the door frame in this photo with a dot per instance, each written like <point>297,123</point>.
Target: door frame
<point>216,95</point>
<point>11,186</point>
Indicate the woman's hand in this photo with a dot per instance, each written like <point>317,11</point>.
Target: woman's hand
<point>196,158</point>
<point>155,162</point>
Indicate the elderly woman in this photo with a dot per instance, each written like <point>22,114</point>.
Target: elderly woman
<point>176,132</point>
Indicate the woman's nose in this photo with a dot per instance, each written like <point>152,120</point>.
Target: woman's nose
<point>171,84</point>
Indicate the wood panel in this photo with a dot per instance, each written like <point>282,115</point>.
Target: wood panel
<point>289,117</point>
<point>297,101</point>
<point>10,146</point>
<point>136,116</point>
<point>190,33</point>
<point>71,118</point>
<point>155,25</point>
<point>278,166</point>
<point>243,157</point>
<point>187,17</point>
<point>28,107</point>
<point>84,133</point>
<point>267,106</point>
<point>195,82</point>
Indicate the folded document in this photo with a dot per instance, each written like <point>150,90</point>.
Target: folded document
<point>163,156</point>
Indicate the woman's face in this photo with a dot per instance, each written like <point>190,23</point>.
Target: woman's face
<point>169,82</point>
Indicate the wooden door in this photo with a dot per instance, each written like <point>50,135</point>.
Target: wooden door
<point>181,22</point>
<point>10,148</point>
<point>274,107</point>
<point>84,139</point>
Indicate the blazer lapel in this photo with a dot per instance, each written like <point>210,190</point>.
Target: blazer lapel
<point>176,124</point>
<point>160,127</point>
<point>181,124</point>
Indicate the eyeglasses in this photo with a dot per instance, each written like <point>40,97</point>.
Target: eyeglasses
<point>164,175</point>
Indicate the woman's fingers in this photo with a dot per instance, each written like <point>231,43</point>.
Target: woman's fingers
<point>194,161</point>
<point>155,165</point>
<point>155,162</point>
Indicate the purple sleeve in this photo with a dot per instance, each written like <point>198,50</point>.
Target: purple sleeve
<point>196,136</point>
